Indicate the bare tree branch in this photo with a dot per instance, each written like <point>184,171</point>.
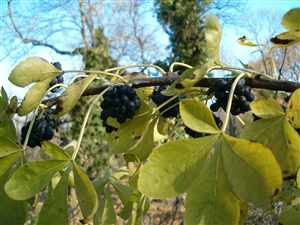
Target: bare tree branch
<point>32,41</point>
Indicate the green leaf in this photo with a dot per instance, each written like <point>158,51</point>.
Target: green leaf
<point>213,37</point>
<point>32,177</point>
<point>7,161</point>
<point>3,100</point>
<point>172,167</point>
<point>278,135</point>
<point>72,94</point>
<point>31,70</point>
<point>145,144</point>
<point>245,159</point>
<point>124,192</point>
<point>86,194</point>
<point>11,212</point>
<point>293,109</point>
<point>108,215</point>
<point>192,75</point>
<point>266,108</point>
<point>291,19</point>
<point>8,147</point>
<point>290,215</point>
<point>197,116</point>
<point>298,179</point>
<point>55,208</point>
<point>33,97</point>
<point>7,128</point>
<point>128,134</point>
<point>55,151</point>
<point>210,200</point>
<point>285,39</point>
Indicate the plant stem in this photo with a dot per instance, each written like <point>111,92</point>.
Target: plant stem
<point>179,64</point>
<point>86,117</point>
<point>229,103</point>
<point>161,70</point>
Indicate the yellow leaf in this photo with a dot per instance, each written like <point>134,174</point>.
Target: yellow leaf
<point>293,109</point>
<point>266,108</point>
<point>285,39</point>
<point>291,20</point>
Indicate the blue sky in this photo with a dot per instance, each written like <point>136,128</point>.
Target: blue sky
<point>231,49</point>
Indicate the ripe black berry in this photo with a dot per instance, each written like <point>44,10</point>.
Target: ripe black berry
<point>42,130</point>
<point>169,110</point>
<point>57,80</point>
<point>195,134</point>
<point>241,98</point>
<point>120,102</point>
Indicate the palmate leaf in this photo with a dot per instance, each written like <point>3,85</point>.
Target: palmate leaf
<point>180,166</point>
<point>210,199</point>
<point>128,134</point>
<point>55,151</point>
<point>293,109</point>
<point>7,127</point>
<point>55,208</point>
<point>33,97</point>
<point>70,97</point>
<point>291,19</point>
<point>197,116</point>
<point>11,212</point>
<point>9,154</point>
<point>106,214</point>
<point>31,70</point>
<point>32,178</point>
<point>277,134</point>
<point>266,108</point>
<point>290,215</point>
<point>213,37</point>
<point>86,193</point>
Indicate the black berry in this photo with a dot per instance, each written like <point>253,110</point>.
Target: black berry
<point>241,98</point>
<point>42,130</point>
<point>120,102</point>
<point>169,110</point>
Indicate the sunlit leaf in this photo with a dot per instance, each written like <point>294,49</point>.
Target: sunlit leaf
<point>55,151</point>
<point>55,208</point>
<point>8,147</point>
<point>145,144</point>
<point>293,109</point>
<point>172,167</point>
<point>213,36</point>
<point>86,194</point>
<point>197,116</point>
<point>210,200</point>
<point>285,39</point>
<point>7,128</point>
<point>3,101</point>
<point>291,19</point>
<point>72,94</point>
<point>244,41</point>
<point>266,108</point>
<point>128,134</point>
<point>11,212</point>
<point>298,179</point>
<point>31,70</point>
<point>108,215</point>
<point>244,158</point>
<point>32,178</point>
<point>277,134</point>
<point>191,76</point>
<point>7,161</point>
<point>33,97</point>
<point>290,215</point>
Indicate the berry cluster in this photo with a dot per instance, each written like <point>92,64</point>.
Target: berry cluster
<point>242,96</point>
<point>158,98</point>
<point>42,130</point>
<point>57,80</point>
<point>195,134</point>
<point>120,102</point>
